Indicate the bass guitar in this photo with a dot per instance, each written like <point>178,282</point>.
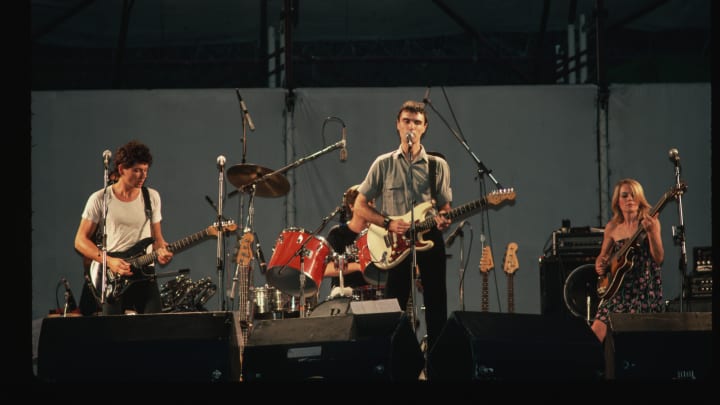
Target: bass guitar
<point>622,261</point>
<point>388,249</point>
<point>140,261</point>
<point>244,256</point>
<point>511,265</point>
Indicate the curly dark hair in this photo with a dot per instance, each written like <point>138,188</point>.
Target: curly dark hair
<point>132,153</point>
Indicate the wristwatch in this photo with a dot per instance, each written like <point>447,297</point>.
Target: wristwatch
<point>386,223</point>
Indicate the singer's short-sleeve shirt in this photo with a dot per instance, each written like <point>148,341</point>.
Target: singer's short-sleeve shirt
<point>397,189</point>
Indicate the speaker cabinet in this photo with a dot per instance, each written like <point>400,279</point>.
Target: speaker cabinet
<point>172,347</point>
<point>487,346</point>
<point>346,347</point>
<point>554,271</point>
<point>663,346</point>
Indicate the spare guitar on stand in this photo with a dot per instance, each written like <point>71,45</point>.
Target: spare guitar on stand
<point>510,265</point>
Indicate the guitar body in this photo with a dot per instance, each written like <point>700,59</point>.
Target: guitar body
<point>388,249</point>
<point>613,279</point>
<point>116,285</point>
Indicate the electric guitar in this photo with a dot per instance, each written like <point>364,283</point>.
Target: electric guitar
<point>486,264</point>
<point>140,261</point>
<point>510,265</point>
<point>621,262</point>
<point>244,256</point>
<point>388,249</point>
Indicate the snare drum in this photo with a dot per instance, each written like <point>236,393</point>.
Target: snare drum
<point>284,268</point>
<point>371,273</point>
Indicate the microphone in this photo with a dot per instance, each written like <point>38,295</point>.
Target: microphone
<point>426,100</point>
<point>260,256</point>
<point>457,232</point>
<point>245,112</point>
<point>674,155</point>
<point>221,162</point>
<point>106,157</point>
<point>410,136</point>
<point>70,304</point>
<point>343,151</point>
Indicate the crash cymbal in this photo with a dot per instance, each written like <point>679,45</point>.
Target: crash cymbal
<point>243,175</point>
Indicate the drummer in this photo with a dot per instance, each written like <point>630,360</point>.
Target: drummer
<point>342,240</point>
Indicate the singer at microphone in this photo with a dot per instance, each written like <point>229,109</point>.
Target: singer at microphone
<point>140,227</point>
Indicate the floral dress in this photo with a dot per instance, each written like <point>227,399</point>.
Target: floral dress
<point>641,290</point>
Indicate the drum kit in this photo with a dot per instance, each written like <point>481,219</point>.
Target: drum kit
<point>296,269</point>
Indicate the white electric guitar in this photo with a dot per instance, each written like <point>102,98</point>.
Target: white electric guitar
<point>388,249</point>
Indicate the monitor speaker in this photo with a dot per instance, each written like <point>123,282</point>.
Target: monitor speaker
<point>489,346</point>
<point>659,346</point>
<point>169,347</point>
<point>345,347</point>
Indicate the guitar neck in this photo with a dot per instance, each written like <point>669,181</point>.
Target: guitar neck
<point>461,212</point>
<point>511,293</point>
<point>176,246</point>
<point>485,300</point>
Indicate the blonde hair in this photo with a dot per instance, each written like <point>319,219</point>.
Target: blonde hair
<point>638,195</point>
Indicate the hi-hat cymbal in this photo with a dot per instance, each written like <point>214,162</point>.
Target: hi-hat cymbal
<point>243,175</point>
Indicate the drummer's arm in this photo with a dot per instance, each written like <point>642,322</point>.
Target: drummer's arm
<point>331,271</point>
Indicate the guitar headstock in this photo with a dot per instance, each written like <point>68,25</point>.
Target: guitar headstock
<point>511,262</point>
<point>498,196</point>
<point>486,260</point>
<point>244,254</point>
<point>678,189</point>
<point>226,226</point>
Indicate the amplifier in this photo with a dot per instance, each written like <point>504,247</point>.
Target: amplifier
<point>584,241</point>
<point>702,259</point>
<point>700,285</point>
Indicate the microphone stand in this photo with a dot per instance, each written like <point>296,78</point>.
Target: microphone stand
<point>220,238</point>
<point>679,237</point>
<point>482,169</point>
<point>103,248</point>
<point>413,264</point>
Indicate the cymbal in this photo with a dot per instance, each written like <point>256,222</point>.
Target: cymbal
<point>242,175</point>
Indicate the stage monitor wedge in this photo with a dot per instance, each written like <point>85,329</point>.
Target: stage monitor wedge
<point>490,346</point>
<point>341,348</point>
<point>169,347</point>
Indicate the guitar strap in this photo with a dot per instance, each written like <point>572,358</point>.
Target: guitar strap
<point>431,169</point>
<point>146,198</point>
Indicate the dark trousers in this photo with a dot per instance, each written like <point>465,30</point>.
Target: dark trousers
<point>433,268</point>
<point>142,297</point>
